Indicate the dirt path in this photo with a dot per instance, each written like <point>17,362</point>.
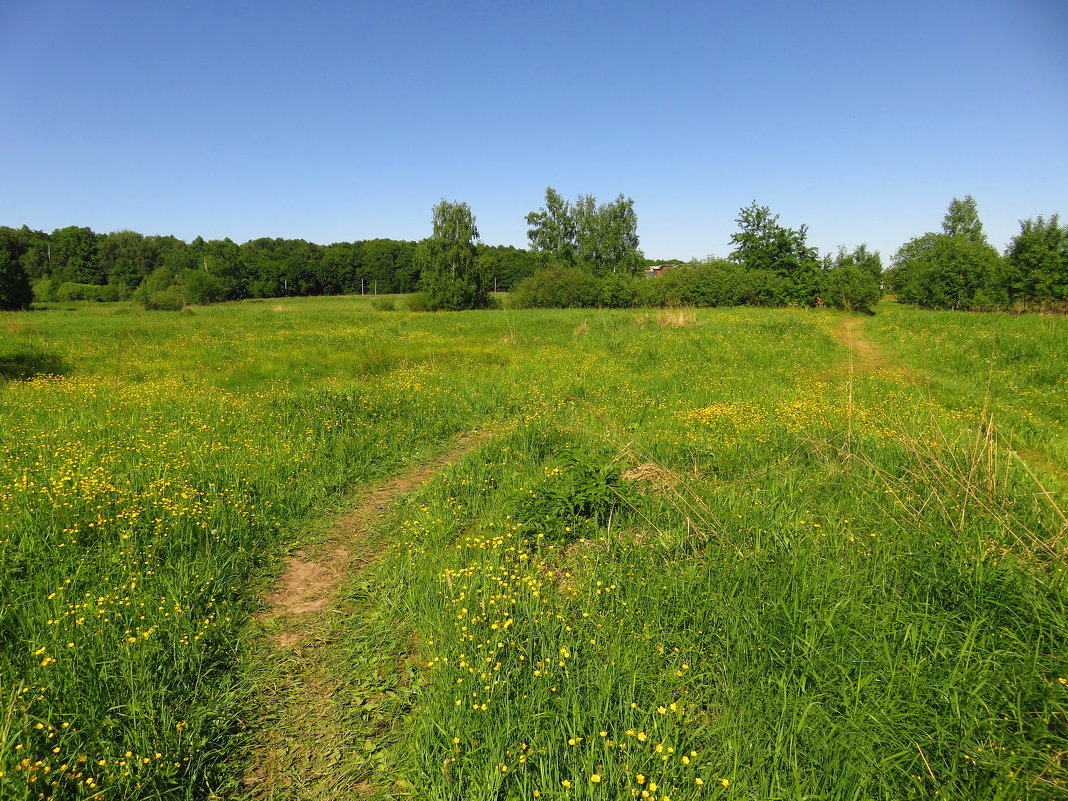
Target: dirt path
<point>317,723</point>
<point>865,356</point>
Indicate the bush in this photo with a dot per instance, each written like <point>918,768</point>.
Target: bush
<point>577,495</point>
<point>938,271</point>
<point>384,305</point>
<point>202,287</point>
<point>71,290</point>
<point>557,288</point>
<point>419,302</point>
<point>853,289</point>
<point>618,291</point>
<point>167,300</point>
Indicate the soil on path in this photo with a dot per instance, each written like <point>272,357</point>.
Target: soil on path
<point>865,356</point>
<point>308,731</point>
<point>310,583</point>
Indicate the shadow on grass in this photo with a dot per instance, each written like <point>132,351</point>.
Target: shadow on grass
<point>20,366</point>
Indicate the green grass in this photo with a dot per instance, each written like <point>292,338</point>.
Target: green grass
<point>808,583</point>
<point>1014,364</point>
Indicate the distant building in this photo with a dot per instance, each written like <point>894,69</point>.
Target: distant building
<point>657,269</point>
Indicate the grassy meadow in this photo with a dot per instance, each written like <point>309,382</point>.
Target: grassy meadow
<point>701,554</point>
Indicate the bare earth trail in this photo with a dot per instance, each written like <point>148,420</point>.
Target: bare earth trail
<point>317,733</point>
<point>865,356</point>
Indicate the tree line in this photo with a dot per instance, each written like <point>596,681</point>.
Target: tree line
<point>76,263</point>
<point>959,269</point>
<point>770,265</point>
<point>582,253</point>
<point>773,265</point>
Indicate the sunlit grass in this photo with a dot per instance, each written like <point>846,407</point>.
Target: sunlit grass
<point>812,584</point>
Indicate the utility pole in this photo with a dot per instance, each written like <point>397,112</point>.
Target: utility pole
<point>361,287</point>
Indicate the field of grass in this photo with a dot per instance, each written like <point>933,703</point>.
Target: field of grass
<point>702,555</point>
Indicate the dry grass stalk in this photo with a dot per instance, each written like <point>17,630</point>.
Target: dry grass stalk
<point>676,318</point>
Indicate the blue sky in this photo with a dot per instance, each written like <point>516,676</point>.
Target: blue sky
<point>336,121</point>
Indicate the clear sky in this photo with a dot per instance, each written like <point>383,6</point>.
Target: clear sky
<point>337,121</point>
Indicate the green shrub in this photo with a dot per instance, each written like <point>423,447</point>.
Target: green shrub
<point>576,494</point>
<point>202,287</point>
<point>167,300</point>
<point>853,289</point>
<point>384,305</point>
<point>617,291</point>
<point>71,290</point>
<point>419,302</point>
<point>557,288</point>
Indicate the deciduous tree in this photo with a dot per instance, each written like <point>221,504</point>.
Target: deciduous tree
<point>761,244</point>
<point>451,273</point>
<point>15,291</point>
<point>552,229</point>
<point>939,271</point>
<point>1037,261</point>
<point>962,219</point>
<point>600,238</point>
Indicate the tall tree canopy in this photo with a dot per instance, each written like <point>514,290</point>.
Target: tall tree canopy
<point>600,238</point>
<point>962,219</point>
<point>15,292</point>
<point>552,229</point>
<point>452,274</point>
<point>939,271</point>
<point>761,244</point>
<point>1037,261</point>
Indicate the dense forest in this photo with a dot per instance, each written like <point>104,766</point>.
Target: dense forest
<point>76,263</point>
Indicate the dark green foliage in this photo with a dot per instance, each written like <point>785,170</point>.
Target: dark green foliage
<point>126,257</point>
<point>959,270</point>
<point>73,256</point>
<point>15,290</point>
<point>384,305</point>
<point>762,244</point>
<point>451,274</point>
<point>853,280</point>
<point>712,283</point>
<point>505,266</point>
<point>939,271</point>
<point>579,492</point>
<point>552,229</point>
<point>557,288</point>
<point>853,289</point>
<point>1036,261</point>
<point>158,280</point>
<point>200,287</point>
<point>715,283</point>
<point>617,291</point>
<point>262,267</point>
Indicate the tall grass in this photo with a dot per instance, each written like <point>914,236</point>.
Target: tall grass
<point>834,589</point>
<point>702,559</point>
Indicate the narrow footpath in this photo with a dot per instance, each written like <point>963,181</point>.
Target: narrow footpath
<point>865,356</point>
<point>327,673</point>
